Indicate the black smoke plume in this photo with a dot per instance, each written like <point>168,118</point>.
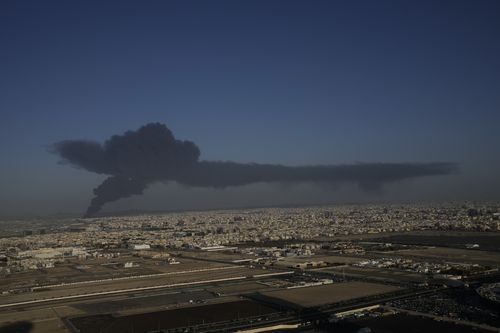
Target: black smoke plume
<point>151,154</point>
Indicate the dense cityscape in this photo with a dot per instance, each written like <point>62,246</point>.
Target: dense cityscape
<point>315,269</point>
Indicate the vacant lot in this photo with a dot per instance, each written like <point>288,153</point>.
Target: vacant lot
<point>238,288</point>
<point>225,256</point>
<point>143,282</point>
<point>97,269</point>
<point>39,321</point>
<point>380,274</point>
<point>452,255</point>
<point>171,318</point>
<point>329,259</point>
<point>487,241</point>
<point>143,302</point>
<point>329,294</point>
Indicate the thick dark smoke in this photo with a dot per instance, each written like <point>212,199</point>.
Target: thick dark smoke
<point>151,154</point>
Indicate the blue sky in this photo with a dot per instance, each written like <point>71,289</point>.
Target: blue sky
<point>290,82</point>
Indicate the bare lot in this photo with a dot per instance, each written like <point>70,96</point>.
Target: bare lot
<point>183,277</point>
<point>337,260</point>
<point>380,274</point>
<point>171,318</point>
<point>226,256</point>
<point>238,288</point>
<point>39,321</point>
<point>452,255</point>
<point>328,294</point>
<point>488,241</point>
<point>97,269</point>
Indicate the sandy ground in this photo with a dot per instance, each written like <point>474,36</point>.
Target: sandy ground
<point>332,293</point>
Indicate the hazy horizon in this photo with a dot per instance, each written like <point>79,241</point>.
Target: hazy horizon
<point>309,83</point>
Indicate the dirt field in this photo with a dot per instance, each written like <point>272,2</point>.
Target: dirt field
<point>328,294</point>
<point>488,241</point>
<point>96,269</point>
<point>160,301</point>
<point>392,275</point>
<point>453,255</point>
<point>39,321</point>
<point>171,318</point>
<point>336,260</point>
<point>245,287</point>
<point>226,256</point>
<point>106,286</point>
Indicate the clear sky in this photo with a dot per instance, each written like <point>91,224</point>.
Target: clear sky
<point>290,82</point>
